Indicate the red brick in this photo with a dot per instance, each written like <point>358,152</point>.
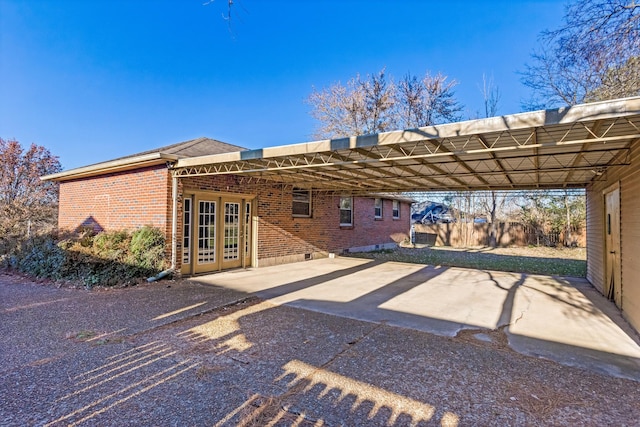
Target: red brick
<point>128,200</point>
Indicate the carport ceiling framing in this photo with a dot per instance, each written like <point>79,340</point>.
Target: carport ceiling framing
<point>563,148</point>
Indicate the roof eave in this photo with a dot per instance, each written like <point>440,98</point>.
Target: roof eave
<point>534,119</point>
<point>112,166</point>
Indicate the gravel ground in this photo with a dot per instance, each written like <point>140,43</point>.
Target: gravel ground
<point>138,357</point>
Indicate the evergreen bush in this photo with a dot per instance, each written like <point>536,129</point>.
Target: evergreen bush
<point>106,259</point>
<point>147,248</point>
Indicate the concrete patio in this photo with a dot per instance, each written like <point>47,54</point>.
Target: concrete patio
<point>562,319</point>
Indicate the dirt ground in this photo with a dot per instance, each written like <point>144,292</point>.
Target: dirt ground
<point>185,353</point>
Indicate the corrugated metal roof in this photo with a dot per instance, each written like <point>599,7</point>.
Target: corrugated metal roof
<point>562,148</point>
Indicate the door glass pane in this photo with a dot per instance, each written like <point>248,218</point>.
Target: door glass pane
<point>207,233</point>
<point>231,249</point>
<point>186,233</point>
<point>247,227</point>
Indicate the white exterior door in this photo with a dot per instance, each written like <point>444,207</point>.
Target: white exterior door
<point>613,274</point>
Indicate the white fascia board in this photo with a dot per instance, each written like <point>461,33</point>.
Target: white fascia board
<point>111,166</point>
<point>534,119</point>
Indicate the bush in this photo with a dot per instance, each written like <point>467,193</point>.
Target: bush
<point>147,248</point>
<point>40,257</point>
<point>111,245</point>
<point>105,259</point>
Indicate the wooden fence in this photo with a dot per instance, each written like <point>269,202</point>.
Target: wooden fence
<point>507,234</point>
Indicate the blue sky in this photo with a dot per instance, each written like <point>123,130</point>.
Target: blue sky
<point>95,80</point>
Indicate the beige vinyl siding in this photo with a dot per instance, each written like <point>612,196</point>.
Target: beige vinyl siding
<point>595,237</point>
<point>629,180</point>
<point>630,238</point>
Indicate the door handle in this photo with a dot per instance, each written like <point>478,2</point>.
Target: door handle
<point>612,252</point>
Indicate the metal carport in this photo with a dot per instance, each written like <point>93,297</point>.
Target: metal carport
<point>562,148</point>
<point>584,146</point>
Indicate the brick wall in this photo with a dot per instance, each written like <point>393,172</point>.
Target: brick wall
<point>283,237</point>
<point>117,201</point>
<point>366,229</point>
<point>128,200</point>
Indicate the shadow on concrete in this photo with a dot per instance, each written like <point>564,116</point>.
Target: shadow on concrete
<point>315,280</point>
<point>581,305</point>
<point>310,386</point>
<point>323,382</point>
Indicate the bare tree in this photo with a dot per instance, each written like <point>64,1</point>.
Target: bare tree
<point>426,101</point>
<point>231,8</point>
<point>379,101</point>
<point>440,105</point>
<point>410,112</point>
<point>490,95</point>
<point>552,213</point>
<point>24,198</point>
<point>593,56</point>
<point>360,107</point>
<point>619,82</point>
<point>491,203</point>
<point>378,104</point>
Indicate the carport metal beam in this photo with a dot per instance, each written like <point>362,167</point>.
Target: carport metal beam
<point>183,169</point>
<point>528,150</point>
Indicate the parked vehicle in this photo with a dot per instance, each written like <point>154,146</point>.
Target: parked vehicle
<point>445,218</point>
<point>432,213</point>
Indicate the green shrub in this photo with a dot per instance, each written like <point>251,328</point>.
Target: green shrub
<point>85,236</point>
<point>111,245</point>
<point>147,248</point>
<point>105,259</point>
<point>40,257</point>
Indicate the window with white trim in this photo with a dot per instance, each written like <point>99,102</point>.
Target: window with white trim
<point>346,211</point>
<point>301,206</point>
<point>396,209</point>
<point>377,208</point>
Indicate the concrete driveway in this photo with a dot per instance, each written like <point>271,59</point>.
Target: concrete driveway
<point>562,319</point>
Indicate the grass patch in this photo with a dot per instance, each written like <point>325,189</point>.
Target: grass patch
<point>521,261</point>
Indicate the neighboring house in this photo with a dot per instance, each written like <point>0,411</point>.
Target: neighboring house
<point>225,221</point>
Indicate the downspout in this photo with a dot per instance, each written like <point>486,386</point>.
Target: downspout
<point>174,232</point>
<point>174,222</point>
